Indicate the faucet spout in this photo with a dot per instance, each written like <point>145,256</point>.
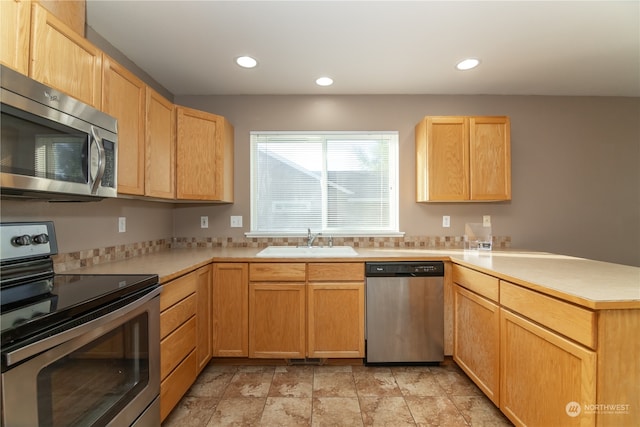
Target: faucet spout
<point>311,237</point>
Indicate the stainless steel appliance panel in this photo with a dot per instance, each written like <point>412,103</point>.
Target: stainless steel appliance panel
<point>404,319</point>
<point>54,146</point>
<point>105,372</point>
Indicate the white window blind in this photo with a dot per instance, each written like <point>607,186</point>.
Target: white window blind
<point>329,182</point>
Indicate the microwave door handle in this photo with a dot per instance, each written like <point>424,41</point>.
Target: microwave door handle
<point>101,161</point>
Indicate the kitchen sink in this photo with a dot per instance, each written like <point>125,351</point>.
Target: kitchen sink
<point>305,251</point>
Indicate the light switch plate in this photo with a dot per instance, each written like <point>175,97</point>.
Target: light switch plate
<point>236,221</point>
<point>486,221</point>
<point>204,222</point>
<point>446,221</point>
<point>122,224</point>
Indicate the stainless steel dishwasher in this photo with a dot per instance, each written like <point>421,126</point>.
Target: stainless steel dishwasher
<point>404,312</point>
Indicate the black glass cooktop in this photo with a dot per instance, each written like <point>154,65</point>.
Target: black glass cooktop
<point>33,308</point>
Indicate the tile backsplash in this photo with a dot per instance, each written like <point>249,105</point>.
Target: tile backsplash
<point>89,257</point>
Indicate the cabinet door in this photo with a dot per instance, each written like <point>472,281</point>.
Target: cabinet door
<point>277,320</point>
<point>160,146</point>
<point>203,317</point>
<point>545,378</point>
<point>230,310</point>
<point>476,340</point>
<point>71,12</point>
<point>490,158</point>
<point>123,97</point>
<point>63,59</point>
<point>202,150</point>
<point>15,20</point>
<point>336,319</point>
<point>442,159</point>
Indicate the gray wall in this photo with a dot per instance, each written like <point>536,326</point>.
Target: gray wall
<point>575,165</point>
<point>90,225</point>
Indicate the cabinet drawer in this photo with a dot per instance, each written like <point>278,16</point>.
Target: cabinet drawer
<point>176,385</point>
<point>177,290</point>
<point>277,272</point>
<point>176,315</point>
<point>569,320</point>
<point>477,282</point>
<point>338,271</point>
<point>175,347</point>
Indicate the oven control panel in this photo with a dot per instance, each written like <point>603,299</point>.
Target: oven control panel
<point>27,240</point>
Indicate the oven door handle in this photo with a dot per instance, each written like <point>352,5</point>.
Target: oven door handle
<point>30,350</point>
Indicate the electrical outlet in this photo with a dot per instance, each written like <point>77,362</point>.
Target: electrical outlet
<point>204,222</point>
<point>122,224</point>
<point>446,221</point>
<point>236,221</point>
<point>486,221</point>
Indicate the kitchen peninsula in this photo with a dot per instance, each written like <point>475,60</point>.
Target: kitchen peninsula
<point>565,328</point>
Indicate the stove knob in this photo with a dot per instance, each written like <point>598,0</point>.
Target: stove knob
<point>40,238</point>
<point>21,240</point>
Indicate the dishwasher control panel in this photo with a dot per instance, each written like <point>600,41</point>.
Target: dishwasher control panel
<point>408,268</point>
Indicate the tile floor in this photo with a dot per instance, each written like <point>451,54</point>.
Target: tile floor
<point>302,395</point>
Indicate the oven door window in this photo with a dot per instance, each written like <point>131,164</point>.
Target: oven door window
<point>89,386</point>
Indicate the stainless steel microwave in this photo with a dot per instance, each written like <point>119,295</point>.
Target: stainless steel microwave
<point>53,146</point>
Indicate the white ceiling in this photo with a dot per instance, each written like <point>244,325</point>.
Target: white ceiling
<point>379,47</point>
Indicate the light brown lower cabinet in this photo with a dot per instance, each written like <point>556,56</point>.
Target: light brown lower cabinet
<point>476,340</point>
<point>204,335</point>
<point>513,344</point>
<point>185,334</point>
<point>176,384</point>
<point>335,310</point>
<point>299,310</point>
<point>277,310</point>
<point>277,320</point>
<point>559,363</point>
<point>546,379</point>
<point>230,309</point>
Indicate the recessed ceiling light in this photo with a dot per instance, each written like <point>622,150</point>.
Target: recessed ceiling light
<point>467,64</point>
<point>324,81</point>
<point>246,62</point>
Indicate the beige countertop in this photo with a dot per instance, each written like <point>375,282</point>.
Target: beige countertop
<point>593,284</point>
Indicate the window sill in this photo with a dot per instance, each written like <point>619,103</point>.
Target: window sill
<point>262,234</point>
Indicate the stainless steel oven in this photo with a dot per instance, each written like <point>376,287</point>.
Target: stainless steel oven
<point>77,350</point>
<point>54,146</point>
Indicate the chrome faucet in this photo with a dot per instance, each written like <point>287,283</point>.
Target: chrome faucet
<point>311,237</point>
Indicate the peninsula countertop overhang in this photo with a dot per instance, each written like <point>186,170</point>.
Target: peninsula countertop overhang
<point>589,283</point>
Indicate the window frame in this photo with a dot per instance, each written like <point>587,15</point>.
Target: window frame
<point>393,174</point>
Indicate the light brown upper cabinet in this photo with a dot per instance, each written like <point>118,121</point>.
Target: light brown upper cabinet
<point>160,147</point>
<point>146,135</point>
<point>15,24</point>
<point>123,97</point>
<point>461,158</point>
<point>204,156</point>
<point>63,59</point>
<point>71,12</point>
